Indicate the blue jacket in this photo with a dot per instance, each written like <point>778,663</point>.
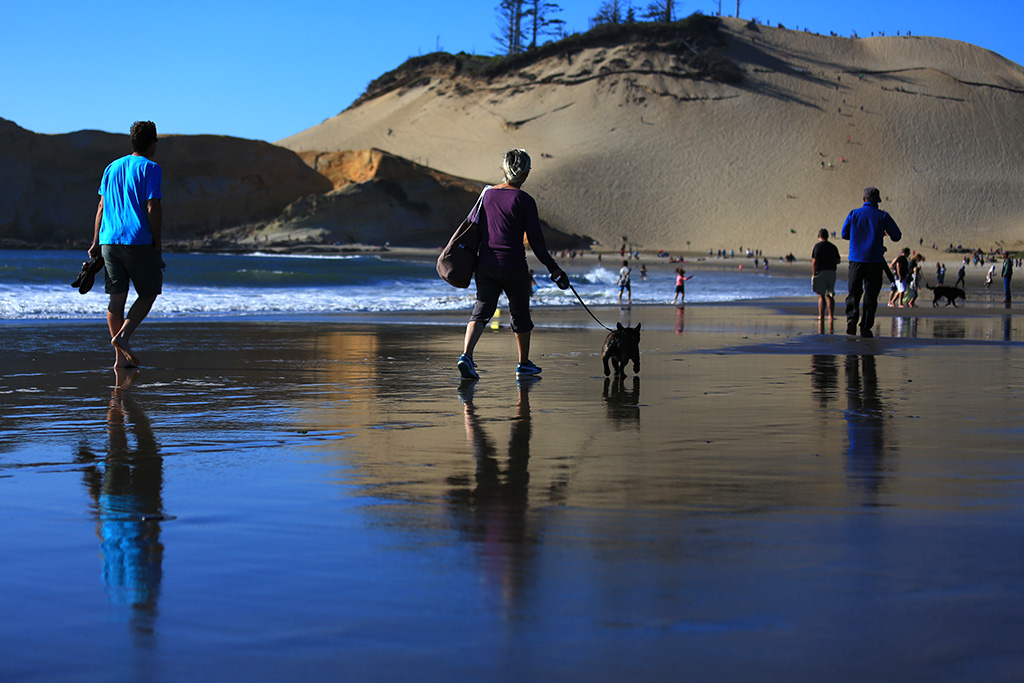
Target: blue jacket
<point>865,227</point>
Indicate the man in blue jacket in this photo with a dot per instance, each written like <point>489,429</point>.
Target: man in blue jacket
<point>865,228</point>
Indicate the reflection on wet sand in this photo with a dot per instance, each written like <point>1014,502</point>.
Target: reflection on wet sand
<point>905,327</point>
<point>867,453</point>
<point>126,491</point>
<point>950,328</point>
<point>491,509</point>
<point>824,379</point>
<point>621,404</point>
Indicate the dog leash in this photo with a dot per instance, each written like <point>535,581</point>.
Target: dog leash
<point>587,309</point>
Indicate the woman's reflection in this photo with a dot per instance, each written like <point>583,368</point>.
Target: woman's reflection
<point>491,509</point>
<point>126,489</point>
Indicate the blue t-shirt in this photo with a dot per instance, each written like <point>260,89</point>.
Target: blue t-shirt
<point>128,183</point>
<point>865,227</point>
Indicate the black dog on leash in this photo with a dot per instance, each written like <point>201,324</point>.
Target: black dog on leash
<point>621,346</point>
<point>951,294</point>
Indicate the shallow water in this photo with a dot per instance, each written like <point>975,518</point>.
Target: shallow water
<point>288,499</point>
<point>34,286</point>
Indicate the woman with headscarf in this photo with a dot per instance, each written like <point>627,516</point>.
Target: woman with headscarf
<point>506,215</point>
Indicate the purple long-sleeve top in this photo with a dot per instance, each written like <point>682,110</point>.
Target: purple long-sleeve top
<point>505,216</point>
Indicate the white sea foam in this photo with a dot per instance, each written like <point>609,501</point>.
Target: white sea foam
<point>35,286</point>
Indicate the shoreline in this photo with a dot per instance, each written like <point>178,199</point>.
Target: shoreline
<point>609,259</point>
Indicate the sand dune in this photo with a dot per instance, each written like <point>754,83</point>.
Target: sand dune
<point>627,143</point>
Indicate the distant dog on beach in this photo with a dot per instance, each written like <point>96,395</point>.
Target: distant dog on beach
<point>621,346</point>
<point>951,294</point>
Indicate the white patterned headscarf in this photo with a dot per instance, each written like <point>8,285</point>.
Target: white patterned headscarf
<point>516,166</point>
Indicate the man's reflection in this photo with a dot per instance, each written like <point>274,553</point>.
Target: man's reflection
<point>824,379</point>
<point>126,491</point>
<point>866,452</point>
<point>491,509</point>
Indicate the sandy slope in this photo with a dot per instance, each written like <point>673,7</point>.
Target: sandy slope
<point>676,163</point>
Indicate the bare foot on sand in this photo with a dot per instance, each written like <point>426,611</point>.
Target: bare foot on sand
<point>122,349</point>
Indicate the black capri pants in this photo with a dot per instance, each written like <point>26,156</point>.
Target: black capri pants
<point>490,283</point>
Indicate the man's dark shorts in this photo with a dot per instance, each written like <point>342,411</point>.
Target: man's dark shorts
<point>138,263</point>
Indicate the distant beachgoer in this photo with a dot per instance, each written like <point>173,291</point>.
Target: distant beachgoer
<point>507,214</point>
<point>127,232</point>
<point>940,273</point>
<point>1007,276</point>
<point>824,262</point>
<point>913,282</point>
<point>680,286</point>
<point>893,294</point>
<point>866,228</point>
<point>960,274</point>
<point>643,271</point>
<point>623,283</point>
<point>901,270</point>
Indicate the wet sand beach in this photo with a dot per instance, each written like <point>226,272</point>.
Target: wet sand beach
<point>321,498</point>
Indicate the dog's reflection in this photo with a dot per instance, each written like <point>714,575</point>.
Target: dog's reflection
<point>622,404</point>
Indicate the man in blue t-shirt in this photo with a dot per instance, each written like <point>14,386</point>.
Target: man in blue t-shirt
<point>865,228</point>
<point>127,233</point>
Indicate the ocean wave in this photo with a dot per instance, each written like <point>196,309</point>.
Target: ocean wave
<point>35,287</point>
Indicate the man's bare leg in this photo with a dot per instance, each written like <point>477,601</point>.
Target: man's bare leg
<point>121,327</point>
<point>115,321</point>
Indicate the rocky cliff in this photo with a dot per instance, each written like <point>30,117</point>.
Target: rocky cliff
<point>48,183</point>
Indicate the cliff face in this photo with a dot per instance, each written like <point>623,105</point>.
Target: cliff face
<point>234,192</point>
<point>48,183</point>
<point>378,198</point>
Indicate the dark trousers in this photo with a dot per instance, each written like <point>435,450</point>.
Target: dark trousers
<point>865,280</point>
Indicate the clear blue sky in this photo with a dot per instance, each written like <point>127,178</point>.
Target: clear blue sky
<point>266,70</point>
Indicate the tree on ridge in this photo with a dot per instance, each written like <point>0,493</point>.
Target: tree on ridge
<point>661,10</point>
<point>541,23</point>
<point>610,12</point>
<point>510,26</point>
